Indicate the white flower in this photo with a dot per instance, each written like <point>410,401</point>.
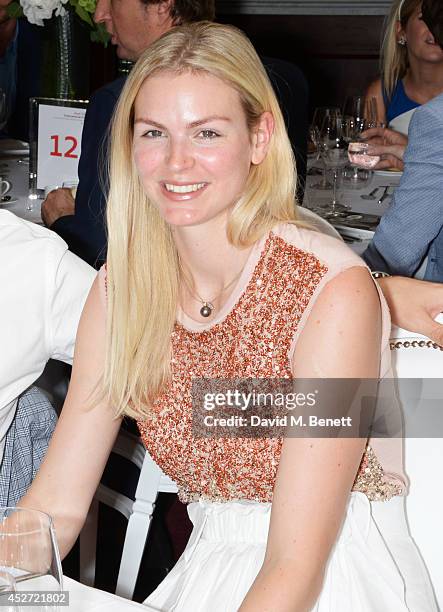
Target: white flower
<point>37,10</point>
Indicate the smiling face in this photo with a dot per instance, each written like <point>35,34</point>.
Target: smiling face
<point>420,42</point>
<point>192,146</point>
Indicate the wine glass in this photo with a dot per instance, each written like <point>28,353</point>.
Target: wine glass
<point>360,113</point>
<point>29,553</point>
<point>320,113</point>
<point>363,109</point>
<point>335,158</point>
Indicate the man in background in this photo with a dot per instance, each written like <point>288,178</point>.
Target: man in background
<point>412,227</point>
<point>133,26</point>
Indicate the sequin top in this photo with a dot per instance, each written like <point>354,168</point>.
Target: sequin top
<point>254,338</point>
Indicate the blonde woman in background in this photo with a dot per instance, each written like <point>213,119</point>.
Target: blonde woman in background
<point>411,66</point>
<point>210,275</point>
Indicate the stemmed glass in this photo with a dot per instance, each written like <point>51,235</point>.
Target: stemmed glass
<point>363,109</point>
<point>352,129</point>
<point>315,128</point>
<point>29,553</point>
<point>359,113</point>
<point>335,157</point>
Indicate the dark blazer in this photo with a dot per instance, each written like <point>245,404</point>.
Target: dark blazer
<point>85,231</point>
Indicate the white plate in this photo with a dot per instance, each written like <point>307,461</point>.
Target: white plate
<point>390,173</point>
<point>8,146</point>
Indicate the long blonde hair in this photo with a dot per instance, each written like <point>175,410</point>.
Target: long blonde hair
<point>394,57</point>
<point>142,264</point>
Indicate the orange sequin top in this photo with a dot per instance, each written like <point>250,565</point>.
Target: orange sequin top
<point>254,336</point>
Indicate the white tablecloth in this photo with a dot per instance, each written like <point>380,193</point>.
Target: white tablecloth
<point>358,239</point>
<point>352,197</point>
<point>81,598</point>
<point>87,599</point>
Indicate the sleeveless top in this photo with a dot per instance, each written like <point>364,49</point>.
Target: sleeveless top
<point>254,335</point>
<point>399,108</point>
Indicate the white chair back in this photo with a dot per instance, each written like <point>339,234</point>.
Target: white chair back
<point>151,482</point>
<point>421,361</point>
<point>323,226</point>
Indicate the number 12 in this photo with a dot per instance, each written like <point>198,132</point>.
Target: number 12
<point>70,152</point>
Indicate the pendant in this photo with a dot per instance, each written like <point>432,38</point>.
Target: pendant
<point>206,309</point>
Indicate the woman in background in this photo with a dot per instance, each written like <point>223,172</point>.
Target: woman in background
<point>411,66</point>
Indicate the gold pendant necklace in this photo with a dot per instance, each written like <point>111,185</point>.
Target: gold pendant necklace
<point>207,305</point>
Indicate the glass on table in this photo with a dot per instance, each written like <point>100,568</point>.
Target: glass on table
<point>356,178</point>
<point>363,109</point>
<point>29,553</point>
<point>335,158</point>
<point>318,119</point>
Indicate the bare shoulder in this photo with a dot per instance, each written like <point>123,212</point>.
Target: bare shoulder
<point>351,294</point>
<point>343,333</point>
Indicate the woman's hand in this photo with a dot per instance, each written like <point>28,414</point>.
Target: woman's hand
<point>414,304</point>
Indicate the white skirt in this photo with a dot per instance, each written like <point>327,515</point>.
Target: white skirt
<point>374,565</point>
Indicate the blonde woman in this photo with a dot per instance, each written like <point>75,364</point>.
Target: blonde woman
<point>411,66</point>
<point>210,275</point>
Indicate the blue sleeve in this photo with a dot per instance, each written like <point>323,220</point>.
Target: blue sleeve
<point>85,232</point>
<point>415,217</point>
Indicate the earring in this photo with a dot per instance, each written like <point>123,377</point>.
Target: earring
<point>402,41</point>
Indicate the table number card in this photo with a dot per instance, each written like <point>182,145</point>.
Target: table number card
<point>55,142</point>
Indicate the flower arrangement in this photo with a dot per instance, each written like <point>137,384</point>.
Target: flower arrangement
<point>36,11</point>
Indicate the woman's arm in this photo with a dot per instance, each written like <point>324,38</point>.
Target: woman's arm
<point>341,339</point>
<point>82,441</point>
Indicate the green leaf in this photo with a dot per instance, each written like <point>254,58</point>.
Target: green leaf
<point>14,10</point>
<point>100,35</point>
<point>83,14</point>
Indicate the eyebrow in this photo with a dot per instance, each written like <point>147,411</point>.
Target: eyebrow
<point>191,125</point>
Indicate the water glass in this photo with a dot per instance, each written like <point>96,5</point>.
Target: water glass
<point>29,553</point>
